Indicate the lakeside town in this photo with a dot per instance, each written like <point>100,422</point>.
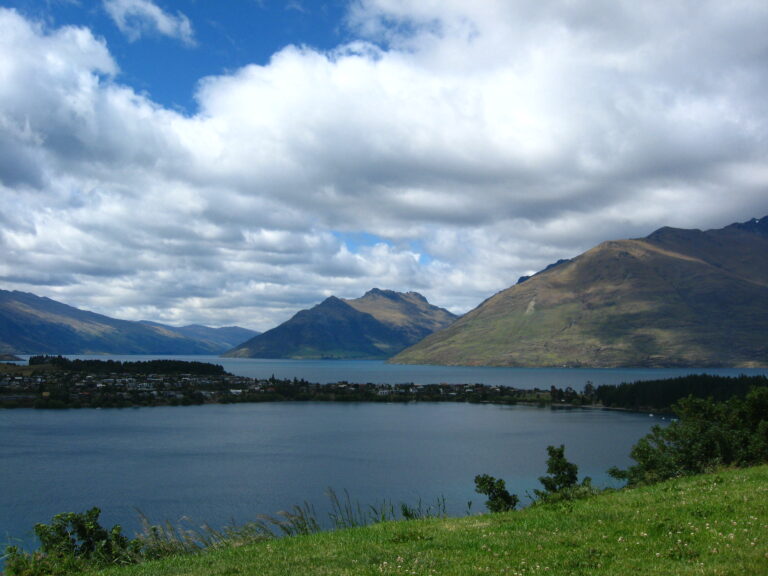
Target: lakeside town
<point>54,382</point>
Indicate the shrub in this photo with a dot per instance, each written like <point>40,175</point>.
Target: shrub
<point>71,543</point>
<point>562,482</point>
<point>499,499</point>
<point>707,435</point>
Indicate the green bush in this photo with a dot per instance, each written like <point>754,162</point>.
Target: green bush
<point>72,543</point>
<point>562,481</point>
<point>560,484</point>
<point>706,435</point>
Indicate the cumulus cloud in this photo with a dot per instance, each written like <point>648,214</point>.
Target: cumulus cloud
<point>135,18</point>
<point>470,143</point>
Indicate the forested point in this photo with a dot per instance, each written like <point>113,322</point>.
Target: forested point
<point>132,367</point>
<point>662,394</point>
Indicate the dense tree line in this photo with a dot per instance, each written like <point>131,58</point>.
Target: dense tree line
<point>135,367</point>
<point>662,394</point>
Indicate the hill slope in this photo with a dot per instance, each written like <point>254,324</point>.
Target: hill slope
<point>30,324</point>
<point>377,325</point>
<point>711,524</point>
<point>219,339</point>
<point>674,298</point>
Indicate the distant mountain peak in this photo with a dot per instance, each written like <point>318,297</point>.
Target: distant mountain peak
<point>332,301</point>
<point>393,295</point>
<point>376,325</point>
<point>755,226</point>
<point>31,324</point>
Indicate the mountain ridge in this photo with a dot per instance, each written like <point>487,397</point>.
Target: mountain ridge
<point>376,325</point>
<point>31,324</point>
<point>674,298</point>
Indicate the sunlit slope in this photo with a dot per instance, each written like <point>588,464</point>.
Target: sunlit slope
<point>408,312</point>
<point>675,298</point>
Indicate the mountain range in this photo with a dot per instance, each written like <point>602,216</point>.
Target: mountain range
<point>379,324</point>
<point>31,324</point>
<point>674,298</point>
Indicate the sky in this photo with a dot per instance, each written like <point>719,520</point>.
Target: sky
<point>232,162</point>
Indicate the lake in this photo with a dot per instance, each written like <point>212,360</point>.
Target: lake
<point>217,463</point>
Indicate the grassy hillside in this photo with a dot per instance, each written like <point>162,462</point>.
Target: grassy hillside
<point>675,298</point>
<point>712,524</point>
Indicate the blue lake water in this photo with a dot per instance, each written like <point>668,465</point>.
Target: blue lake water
<point>220,463</point>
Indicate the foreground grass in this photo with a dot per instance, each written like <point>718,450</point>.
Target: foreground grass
<point>711,524</point>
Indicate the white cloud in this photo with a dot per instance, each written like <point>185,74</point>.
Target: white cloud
<point>496,136</point>
<point>135,18</point>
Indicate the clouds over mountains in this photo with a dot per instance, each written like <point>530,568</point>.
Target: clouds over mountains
<point>449,149</point>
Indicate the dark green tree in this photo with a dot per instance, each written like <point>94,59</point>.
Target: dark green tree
<point>562,474</point>
<point>562,482</point>
<point>499,498</point>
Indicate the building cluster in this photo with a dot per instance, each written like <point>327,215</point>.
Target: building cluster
<point>65,389</point>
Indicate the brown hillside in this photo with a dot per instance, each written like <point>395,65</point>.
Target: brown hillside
<point>675,298</point>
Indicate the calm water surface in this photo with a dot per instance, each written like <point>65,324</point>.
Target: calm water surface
<point>216,464</point>
<point>219,463</point>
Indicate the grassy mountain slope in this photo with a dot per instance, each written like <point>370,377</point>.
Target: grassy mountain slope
<point>675,298</point>
<point>377,325</point>
<point>30,324</point>
<point>711,524</point>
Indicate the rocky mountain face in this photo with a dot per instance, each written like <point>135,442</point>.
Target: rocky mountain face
<point>377,325</point>
<point>675,298</point>
<point>30,324</point>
